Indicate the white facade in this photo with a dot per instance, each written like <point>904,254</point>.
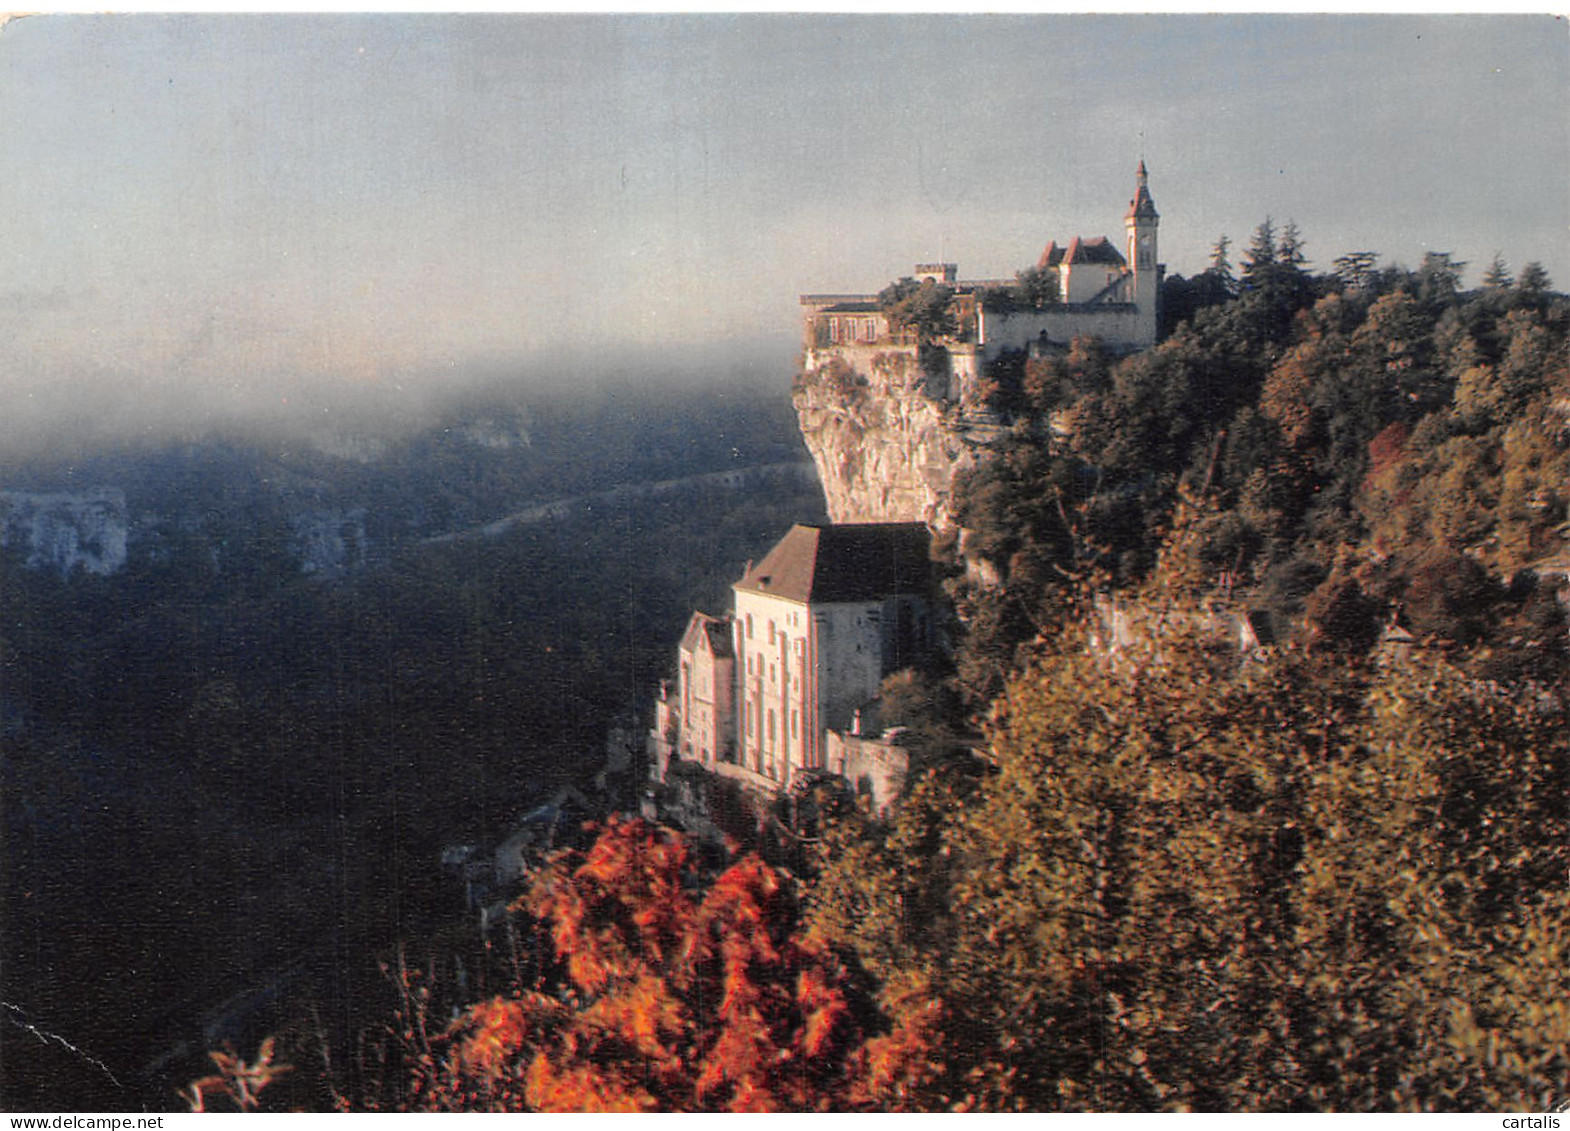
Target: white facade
<point>816,626</point>
<point>778,685</point>
<point>1085,282</point>
<point>696,721</point>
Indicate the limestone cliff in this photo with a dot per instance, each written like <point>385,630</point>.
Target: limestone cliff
<point>888,429</point>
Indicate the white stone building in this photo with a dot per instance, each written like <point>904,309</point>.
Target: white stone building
<point>816,626</point>
<point>700,720</point>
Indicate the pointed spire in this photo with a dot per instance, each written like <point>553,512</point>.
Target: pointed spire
<point>1142,207</point>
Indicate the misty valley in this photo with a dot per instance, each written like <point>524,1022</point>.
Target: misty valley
<point>252,688</point>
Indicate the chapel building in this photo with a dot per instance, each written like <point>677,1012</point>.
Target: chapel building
<point>1103,291</point>
<point>815,627</point>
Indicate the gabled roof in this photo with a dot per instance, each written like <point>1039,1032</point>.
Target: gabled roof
<point>846,562</point>
<point>1080,250</point>
<point>1098,250</point>
<point>713,630</point>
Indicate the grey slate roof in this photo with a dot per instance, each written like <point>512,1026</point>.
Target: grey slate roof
<point>1081,250</point>
<point>845,562</point>
<point>715,629</point>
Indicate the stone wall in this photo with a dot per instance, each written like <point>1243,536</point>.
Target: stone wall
<point>1120,326</point>
<point>874,768</point>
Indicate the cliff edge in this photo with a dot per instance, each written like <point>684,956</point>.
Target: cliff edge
<point>888,432</point>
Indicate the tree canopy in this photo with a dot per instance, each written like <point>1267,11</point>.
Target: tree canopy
<point>1302,887</point>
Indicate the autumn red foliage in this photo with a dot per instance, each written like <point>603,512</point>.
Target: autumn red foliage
<point>670,996</point>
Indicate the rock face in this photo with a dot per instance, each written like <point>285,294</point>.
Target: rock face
<point>888,430</point>
<point>64,531</point>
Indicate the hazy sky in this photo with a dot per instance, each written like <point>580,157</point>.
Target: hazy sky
<point>209,216</point>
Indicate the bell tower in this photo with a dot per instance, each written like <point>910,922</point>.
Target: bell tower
<point>1140,224</point>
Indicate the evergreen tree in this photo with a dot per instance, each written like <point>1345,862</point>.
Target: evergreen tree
<point>1498,274</point>
<point>1355,269</point>
<point>1036,287</point>
<point>1439,277</point>
<point>1219,261</point>
<point>1217,283</point>
<point>1534,280</point>
<point>1289,252</point>
<point>1261,254</point>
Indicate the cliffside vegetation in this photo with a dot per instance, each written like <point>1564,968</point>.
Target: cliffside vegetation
<point>1165,885</point>
<point>1312,887</point>
<point>1334,451</point>
<point>925,307</point>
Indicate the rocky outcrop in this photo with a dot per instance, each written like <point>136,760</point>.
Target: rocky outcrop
<point>65,531</point>
<point>889,429</point>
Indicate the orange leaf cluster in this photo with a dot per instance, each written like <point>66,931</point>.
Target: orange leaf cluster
<point>669,1001</point>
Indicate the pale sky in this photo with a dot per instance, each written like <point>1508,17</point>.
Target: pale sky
<point>205,217</point>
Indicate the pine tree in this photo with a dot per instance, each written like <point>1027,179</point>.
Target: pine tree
<point>1219,261</point>
<point>1534,280</point>
<point>1354,269</point>
<point>1498,274</point>
<point>1439,277</point>
<point>1289,252</point>
<point>1261,254</point>
<point>1218,282</point>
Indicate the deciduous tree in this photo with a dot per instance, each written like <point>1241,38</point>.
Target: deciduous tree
<point>666,998</point>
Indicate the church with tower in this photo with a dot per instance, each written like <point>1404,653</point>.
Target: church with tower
<point>1101,291</point>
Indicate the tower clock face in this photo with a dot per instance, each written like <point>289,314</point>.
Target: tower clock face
<point>1144,251</point>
